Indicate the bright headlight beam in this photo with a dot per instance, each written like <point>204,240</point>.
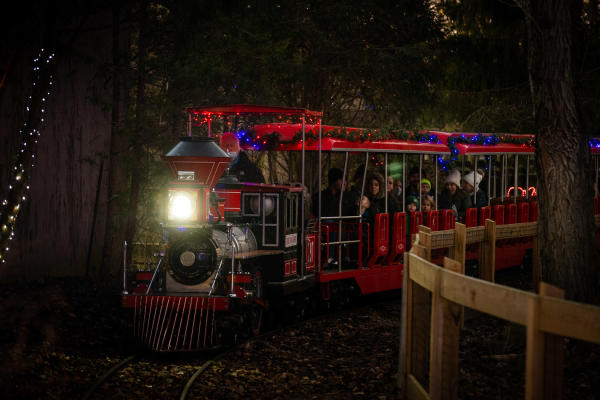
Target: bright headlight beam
<point>181,206</point>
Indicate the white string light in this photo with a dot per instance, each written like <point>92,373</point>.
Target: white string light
<point>11,206</point>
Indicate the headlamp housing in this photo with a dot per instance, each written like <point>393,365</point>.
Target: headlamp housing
<point>183,205</point>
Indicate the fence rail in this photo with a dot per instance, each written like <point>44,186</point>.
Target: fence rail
<point>433,298</point>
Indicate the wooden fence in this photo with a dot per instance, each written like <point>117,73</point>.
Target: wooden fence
<point>486,236</point>
<point>433,298</point>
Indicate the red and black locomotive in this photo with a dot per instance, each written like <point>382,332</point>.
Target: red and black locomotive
<point>235,250</point>
<point>231,248</point>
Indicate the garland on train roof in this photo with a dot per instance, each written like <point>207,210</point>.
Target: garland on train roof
<point>272,140</point>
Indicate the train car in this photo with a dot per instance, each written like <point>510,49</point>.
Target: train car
<point>235,250</point>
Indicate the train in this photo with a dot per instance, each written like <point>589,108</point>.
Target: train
<point>234,252</point>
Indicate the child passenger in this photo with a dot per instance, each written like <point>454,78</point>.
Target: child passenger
<point>412,204</point>
<point>428,203</point>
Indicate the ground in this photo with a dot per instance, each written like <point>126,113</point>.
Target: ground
<point>59,336</point>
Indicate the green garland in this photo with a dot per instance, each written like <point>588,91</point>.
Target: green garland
<point>272,140</point>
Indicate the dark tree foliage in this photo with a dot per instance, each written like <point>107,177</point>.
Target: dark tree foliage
<point>483,83</point>
<point>361,63</point>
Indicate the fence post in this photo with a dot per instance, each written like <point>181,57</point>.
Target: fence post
<point>534,353</point>
<point>460,245</point>
<point>404,353</point>
<point>425,241</point>
<point>553,353</point>
<point>444,340</point>
<point>460,255</point>
<point>488,250</point>
<point>536,267</point>
<point>544,356</point>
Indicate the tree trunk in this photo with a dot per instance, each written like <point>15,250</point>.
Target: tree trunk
<point>569,253</point>
<point>117,166</point>
<point>137,143</point>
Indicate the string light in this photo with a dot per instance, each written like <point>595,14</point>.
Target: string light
<point>10,207</point>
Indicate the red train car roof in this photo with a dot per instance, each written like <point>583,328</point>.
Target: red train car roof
<point>247,109</point>
<point>288,140</point>
<point>506,143</point>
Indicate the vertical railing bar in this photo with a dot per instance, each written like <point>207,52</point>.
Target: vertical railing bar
<point>162,324</point>
<point>174,323</point>
<point>193,322</point>
<point>200,324</point>
<point>516,178</point>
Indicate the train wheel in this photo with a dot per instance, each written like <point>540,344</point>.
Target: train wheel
<point>257,309</point>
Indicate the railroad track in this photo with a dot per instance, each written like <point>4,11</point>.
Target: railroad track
<point>140,362</point>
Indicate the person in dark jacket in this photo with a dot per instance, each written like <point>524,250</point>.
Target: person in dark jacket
<point>471,185</point>
<point>330,197</point>
<point>330,207</point>
<point>454,198</point>
<point>414,187</point>
<point>351,200</point>
<point>376,192</point>
<point>241,167</point>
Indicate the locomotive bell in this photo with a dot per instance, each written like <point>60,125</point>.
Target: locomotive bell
<point>197,159</point>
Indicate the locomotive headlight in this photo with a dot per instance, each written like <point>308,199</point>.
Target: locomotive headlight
<point>182,205</point>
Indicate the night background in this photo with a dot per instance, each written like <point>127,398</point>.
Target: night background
<point>92,95</point>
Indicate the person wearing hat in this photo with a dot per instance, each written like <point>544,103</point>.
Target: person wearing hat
<point>470,184</point>
<point>240,166</point>
<point>412,203</point>
<point>453,197</point>
<point>426,187</point>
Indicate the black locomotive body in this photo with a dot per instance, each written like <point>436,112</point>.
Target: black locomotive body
<point>231,250</point>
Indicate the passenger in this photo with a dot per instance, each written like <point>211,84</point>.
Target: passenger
<point>330,203</point>
<point>426,188</point>
<point>376,195</point>
<point>352,196</point>
<point>398,188</point>
<point>393,192</point>
<point>471,183</point>
<point>412,205</point>
<point>427,203</point>
<point>390,184</point>
<point>454,198</point>
<point>330,197</point>
<point>241,167</point>
<point>413,188</point>
<point>375,199</point>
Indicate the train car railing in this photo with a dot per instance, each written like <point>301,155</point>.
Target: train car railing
<point>398,244</point>
<point>447,221</point>
<point>432,220</point>
<point>345,247</point>
<point>381,238</point>
<point>533,211</point>
<point>484,213</point>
